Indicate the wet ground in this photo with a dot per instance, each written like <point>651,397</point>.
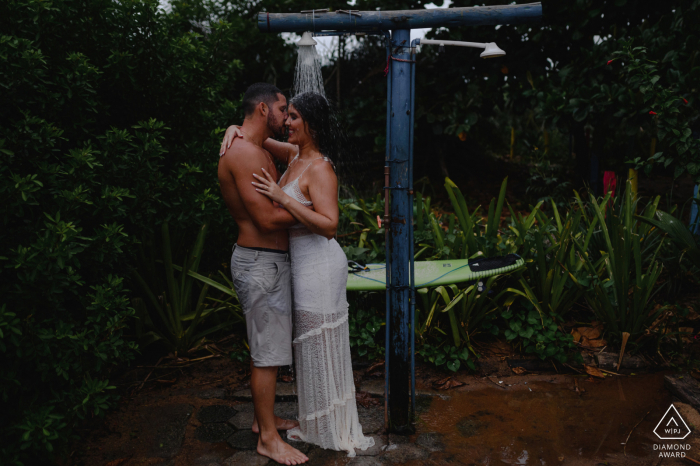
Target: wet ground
<point>546,421</point>
<point>520,420</point>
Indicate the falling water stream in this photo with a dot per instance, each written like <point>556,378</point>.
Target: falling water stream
<point>307,77</point>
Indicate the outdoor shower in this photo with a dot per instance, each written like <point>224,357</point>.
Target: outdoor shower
<point>396,27</point>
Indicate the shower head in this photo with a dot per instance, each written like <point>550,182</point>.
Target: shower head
<point>492,51</point>
<point>306,40</point>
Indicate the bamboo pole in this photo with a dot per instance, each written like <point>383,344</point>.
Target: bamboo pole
<point>512,141</point>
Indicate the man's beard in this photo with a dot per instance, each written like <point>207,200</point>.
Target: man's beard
<point>278,129</point>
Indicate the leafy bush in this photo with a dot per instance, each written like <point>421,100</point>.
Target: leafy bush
<point>55,361</point>
<point>538,333</point>
<point>108,117</point>
<point>443,353</point>
<point>358,225</point>
<point>364,326</point>
<point>671,115</point>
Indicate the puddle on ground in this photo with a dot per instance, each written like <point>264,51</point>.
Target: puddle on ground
<point>544,423</point>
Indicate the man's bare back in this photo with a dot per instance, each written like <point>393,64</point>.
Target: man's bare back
<point>260,223</point>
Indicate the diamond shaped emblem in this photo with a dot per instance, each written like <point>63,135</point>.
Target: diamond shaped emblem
<point>672,426</point>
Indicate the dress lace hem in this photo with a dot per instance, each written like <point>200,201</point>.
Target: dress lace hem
<point>334,404</point>
<point>319,330</point>
<point>347,441</point>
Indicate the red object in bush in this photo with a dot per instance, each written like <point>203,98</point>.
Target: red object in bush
<point>609,183</point>
<point>686,102</point>
<point>651,112</point>
<point>610,61</point>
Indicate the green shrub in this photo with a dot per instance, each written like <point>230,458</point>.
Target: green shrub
<point>108,127</point>
<point>444,353</point>
<point>361,237</point>
<point>538,333</point>
<point>364,325</point>
<point>54,365</point>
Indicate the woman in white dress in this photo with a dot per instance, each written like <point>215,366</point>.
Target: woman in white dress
<point>326,390</point>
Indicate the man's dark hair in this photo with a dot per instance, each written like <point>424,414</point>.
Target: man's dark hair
<point>259,92</point>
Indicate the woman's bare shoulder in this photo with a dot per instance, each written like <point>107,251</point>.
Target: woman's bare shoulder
<point>322,167</point>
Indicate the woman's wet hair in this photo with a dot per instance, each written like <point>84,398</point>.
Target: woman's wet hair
<point>321,121</point>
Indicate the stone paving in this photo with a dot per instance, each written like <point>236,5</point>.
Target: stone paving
<point>555,419</point>
<point>223,423</point>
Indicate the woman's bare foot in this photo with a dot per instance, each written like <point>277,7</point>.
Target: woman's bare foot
<point>278,450</point>
<point>281,424</point>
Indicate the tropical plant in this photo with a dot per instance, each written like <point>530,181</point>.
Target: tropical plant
<point>469,310</point>
<point>444,353</point>
<point>361,236</point>
<point>364,325</point>
<point>551,282</point>
<point>683,259</point>
<point>475,241</point>
<point>678,233</point>
<point>622,284</point>
<point>465,236</point>
<point>168,312</point>
<point>549,182</point>
<point>537,333</point>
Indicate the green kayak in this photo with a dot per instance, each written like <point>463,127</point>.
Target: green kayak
<point>434,273</point>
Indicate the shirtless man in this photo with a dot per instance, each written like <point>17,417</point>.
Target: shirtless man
<point>260,264</point>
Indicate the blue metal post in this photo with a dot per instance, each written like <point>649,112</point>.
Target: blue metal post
<point>411,241</point>
<point>399,161</point>
<point>387,243</point>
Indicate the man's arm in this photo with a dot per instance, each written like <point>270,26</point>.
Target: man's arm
<point>265,216</point>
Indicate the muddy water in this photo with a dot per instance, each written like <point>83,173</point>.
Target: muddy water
<point>548,423</point>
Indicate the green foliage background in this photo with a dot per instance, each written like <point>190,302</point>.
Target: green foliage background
<point>109,117</point>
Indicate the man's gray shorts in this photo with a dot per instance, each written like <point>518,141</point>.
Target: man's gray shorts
<point>263,282</point>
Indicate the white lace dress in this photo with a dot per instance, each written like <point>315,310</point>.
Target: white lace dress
<point>325,386</point>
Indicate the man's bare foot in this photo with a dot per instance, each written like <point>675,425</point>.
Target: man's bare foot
<point>281,424</point>
<point>280,451</point>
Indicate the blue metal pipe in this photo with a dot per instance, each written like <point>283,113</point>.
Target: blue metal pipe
<point>401,19</point>
<point>387,248</point>
<point>411,241</point>
<point>399,161</point>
